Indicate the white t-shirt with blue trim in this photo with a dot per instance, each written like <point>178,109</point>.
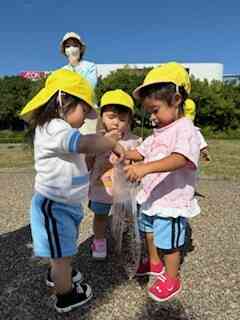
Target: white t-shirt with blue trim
<point>61,172</point>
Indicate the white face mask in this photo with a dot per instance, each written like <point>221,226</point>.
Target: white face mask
<point>72,52</point>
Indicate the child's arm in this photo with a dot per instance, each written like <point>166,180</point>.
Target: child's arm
<point>133,155</point>
<point>90,160</point>
<point>173,162</point>
<point>93,143</point>
<point>203,146</point>
<point>205,154</point>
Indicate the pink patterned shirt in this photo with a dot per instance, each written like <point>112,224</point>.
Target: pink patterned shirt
<point>171,194</point>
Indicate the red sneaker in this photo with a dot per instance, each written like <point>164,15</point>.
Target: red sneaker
<point>147,268</point>
<point>164,288</point>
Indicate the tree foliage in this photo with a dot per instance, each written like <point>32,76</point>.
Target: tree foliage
<point>218,104</point>
<point>14,94</point>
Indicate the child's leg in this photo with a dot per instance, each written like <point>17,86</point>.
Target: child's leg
<point>153,264</point>
<point>152,250</point>
<point>99,226</point>
<point>61,273</point>
<point>101,212</point>
<point>169,237</point>
<point>172,263</point>
<point>99,245</point>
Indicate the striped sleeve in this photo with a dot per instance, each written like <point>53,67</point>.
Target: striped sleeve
<point>61,137</point>
<point>73,140</point>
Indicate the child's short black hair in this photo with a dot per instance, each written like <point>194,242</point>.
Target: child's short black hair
<point>117,108</point>
<point>164,91</point>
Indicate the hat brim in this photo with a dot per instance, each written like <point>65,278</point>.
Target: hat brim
<point>37,101</point>
<point>43,97</point>
<point>136,92</point>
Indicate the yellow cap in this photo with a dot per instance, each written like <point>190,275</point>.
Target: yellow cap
<point>117,96</point>
<point>64,80</point>
<point>189,109</point>
<point>169,72</point>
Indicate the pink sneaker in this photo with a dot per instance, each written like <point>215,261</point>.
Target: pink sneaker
<point>99,249</point>
<point>147,268</point>
<point>164,287</point>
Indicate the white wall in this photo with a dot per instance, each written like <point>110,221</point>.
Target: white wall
<point>209,71</point>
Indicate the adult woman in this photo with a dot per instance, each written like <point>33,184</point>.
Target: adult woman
<point>73,47</point>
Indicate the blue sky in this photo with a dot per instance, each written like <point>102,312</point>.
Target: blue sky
<point>119,32</point>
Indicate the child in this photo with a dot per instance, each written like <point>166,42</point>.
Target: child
<point>190,113</point>
<point>73,47</point>
<point>116,109</point>
<point>170,157</point>
<point>62,181</point>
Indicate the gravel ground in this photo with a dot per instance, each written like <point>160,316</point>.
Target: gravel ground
<point>211,273</point>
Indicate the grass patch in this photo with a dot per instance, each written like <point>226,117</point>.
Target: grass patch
<point>8,136</point>
<point>225,162</point>
<point>225,155</point>
<point>15,156</point>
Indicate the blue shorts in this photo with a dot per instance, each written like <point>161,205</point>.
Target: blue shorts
<point>54,227</point>
<point>168,233</point>
<point>99,208</point>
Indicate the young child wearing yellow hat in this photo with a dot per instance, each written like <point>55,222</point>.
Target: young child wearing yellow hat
<point>190,113</point>
<point>62,180</point>
<point>116,109</point>
<point>168,176</point>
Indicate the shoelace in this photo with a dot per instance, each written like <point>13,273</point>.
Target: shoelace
<point>163,279</point>
<point>79,288</point>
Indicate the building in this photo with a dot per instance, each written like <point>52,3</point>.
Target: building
<point>201,71</point>
<point>232,78</point>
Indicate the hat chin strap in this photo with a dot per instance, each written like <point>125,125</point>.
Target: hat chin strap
<point>60,104</point>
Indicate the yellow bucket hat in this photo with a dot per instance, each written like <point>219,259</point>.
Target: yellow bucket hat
<point>117,96</point>
<point>189,109</point>
<point>168,72</point>
<point>66,81</point>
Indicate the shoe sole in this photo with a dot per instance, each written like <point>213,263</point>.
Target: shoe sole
<point>70,308</point>
<point>165,299</point>
<point>99,257</point>
<point>75,279</point>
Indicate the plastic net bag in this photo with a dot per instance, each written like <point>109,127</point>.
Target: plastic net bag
<point>124,227</point>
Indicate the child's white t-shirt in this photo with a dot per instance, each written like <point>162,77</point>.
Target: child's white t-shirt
<point>61,172</point>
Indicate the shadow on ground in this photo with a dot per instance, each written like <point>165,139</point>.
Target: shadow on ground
<point>24,295</point>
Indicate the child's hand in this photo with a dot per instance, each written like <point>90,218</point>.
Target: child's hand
<point>205,155</point>
<point>135,172</point>
<point>119,151</point>
<point>114,134</point>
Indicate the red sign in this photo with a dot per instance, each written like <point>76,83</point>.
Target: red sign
<point>33,75</point>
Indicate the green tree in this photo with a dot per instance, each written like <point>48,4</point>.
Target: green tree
<point>14,94</point>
